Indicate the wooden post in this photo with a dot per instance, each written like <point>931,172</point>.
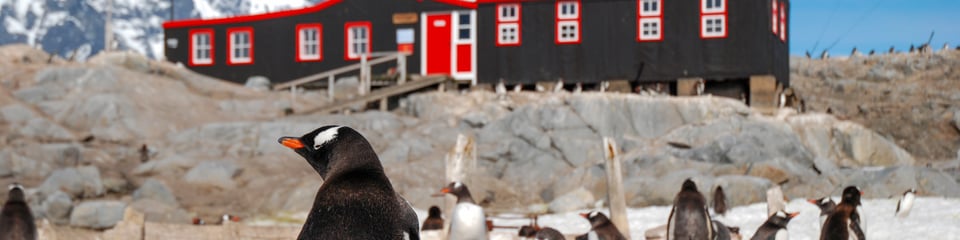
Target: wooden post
<point>293,97</point>
<point>330,92</point>
<point>363,75</point>
<point>459,163</point>
<point>401,68</point>
<point>383,104</point>
<point>615,193</point>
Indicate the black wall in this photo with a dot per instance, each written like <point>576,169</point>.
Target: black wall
<point>275,41</point>
<point>609,49</point>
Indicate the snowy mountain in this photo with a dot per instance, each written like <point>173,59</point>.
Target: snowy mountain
<point>76,27</point>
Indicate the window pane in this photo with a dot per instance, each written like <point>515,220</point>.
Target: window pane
<point>464,19</point>
<point>464,34</point>
<point>709,4</point>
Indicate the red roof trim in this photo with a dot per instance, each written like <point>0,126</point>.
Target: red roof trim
<point>250,18</point>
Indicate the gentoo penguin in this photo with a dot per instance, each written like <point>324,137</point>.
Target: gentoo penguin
<point>559,86</point>
<point>689,218</point>
<point>872,52</point>
<point>356,199</point>
<point>719,201</point>
<point>905,203</point>
<point>775,228</point>
<point>775,200</point>
<point>826,206</point>
<point>16,220</point>
<point>198,221</point>
<point>854,52</point>
<point>601,227</point>
<point>844,222</point>
<point>517,88</point>
<point>467,220</point>
<point>825,54</point>
<point>892,50</point>
<point>434,220</point>
<point>228,219</point>
<point>548,233</point>
<point>501,89</point>
<point>807,54</point>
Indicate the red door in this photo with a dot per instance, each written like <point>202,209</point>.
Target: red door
<point>439,27</point>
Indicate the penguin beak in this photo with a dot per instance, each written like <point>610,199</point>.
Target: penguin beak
<point>291,142</point>
<point>814,201</point>
<point>585,215</point>
<point>792,215</point>
<point>442,192</point>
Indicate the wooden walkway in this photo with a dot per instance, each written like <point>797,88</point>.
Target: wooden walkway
<point>415,83</point>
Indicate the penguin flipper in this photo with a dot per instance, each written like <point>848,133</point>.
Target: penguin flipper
<point>855,228</point>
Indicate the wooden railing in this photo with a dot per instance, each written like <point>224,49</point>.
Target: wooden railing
<point>365,75</point>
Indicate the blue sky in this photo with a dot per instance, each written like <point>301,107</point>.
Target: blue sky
<point>871,24</point>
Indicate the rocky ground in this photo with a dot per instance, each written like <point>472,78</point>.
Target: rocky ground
<point>911,98</point>
<point>73,132</point>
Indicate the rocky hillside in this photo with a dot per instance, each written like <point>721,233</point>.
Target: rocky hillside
<point>911,98</point>
<point>73,135</point>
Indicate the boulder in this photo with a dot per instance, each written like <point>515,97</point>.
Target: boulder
<point>572,201</point>
<point>97,214</point>
<point>15,165</point>
<point>131,227</point>
<point>217,174</point>
<point>57,207</point>
<point>25,122</point>
<point>861,147</point>
<point>83,182</point>
<point>158,211</point>
<point>156,190</point>
<point>259,83</point>
<point>165,164</point>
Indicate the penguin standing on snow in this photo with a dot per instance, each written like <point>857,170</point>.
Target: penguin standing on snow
<point>826,206</point>
<point>356,200</point>
<point>16,220</point>
<point>775,228</point>
<point>719,201</point>
<point>467,220</point>
<point>689,218</point>
<point>434,220</point>
<point>600,228</point>
<point>906,203</point>
<point>844,223</point>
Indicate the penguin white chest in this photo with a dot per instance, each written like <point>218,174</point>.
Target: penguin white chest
<point>903,210</point>
<point>468,222</point>
<point>782,235</point>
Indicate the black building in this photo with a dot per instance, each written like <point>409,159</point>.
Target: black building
<point>486,41</point>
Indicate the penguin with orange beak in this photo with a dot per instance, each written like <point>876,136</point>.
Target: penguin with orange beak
<point>467,221</point>
<point>775,228</point>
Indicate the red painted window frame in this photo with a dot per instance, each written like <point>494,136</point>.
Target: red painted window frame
<point>774,17</point>
<point>783,23</point>
<point>230,32</point>
<point>190,34</point>
<point>346,38</point>
<point>640,17</point>
<point>558,20</point>
<point>726,19</point>
<point>517,21</point>
<point>300,28</point>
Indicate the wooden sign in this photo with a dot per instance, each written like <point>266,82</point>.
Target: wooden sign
<point>405,18</point>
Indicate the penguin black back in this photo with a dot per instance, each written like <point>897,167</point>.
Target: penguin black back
<point>719,201</point>
<point>843,223</point>
<point>356,200</point>
<point>689,219</point>
<point>16,220</point>
<point>434,220</point>
<point>602,226</point>
<point>774,227</point>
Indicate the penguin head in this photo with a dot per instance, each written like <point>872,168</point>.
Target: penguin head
<point>782,218</point>
<point>910,191</point>
<point>434,212</point>
<point>852,195</point>
<point>689,185</point>
<point>596,218</point>
<point>527,231</point>
<point>459,190</point>
<point>322,146</point>
<point>823,203</point>
<point>16,193</point>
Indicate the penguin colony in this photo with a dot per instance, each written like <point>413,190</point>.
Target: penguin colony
<point>357,201</point>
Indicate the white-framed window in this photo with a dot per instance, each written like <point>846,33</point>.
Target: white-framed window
<point>650,8</point>
<point>509,33</point>
<point>240,45</point>
<point>358,39</point>
<point>713,6</point>
<point>568,10</point>
<point>568,32</point>
<point>309,47</point>
<point>463,27</point>
<point>201,47</point>
<point>508,12</point>
<point>774,18</point>
<point>650,29</point>
<point>508,24</point>
<point>713,26</point>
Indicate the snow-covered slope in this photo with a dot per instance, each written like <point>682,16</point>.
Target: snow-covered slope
<point>76,27</point>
